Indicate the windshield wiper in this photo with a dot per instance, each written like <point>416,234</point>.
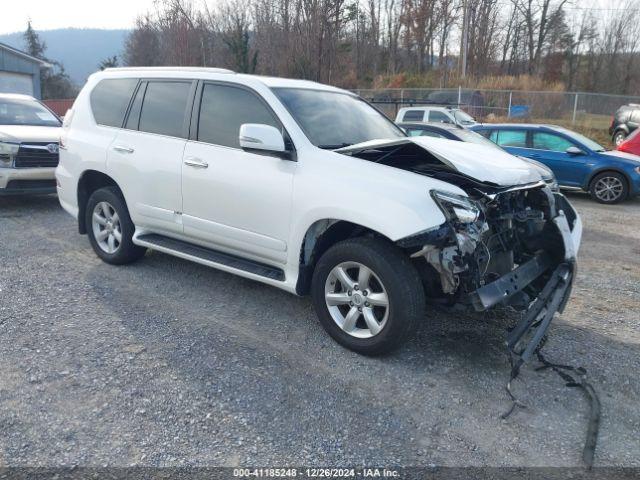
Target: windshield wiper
<point>335,147</point>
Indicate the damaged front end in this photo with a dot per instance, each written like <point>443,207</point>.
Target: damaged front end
<point>510,246</point>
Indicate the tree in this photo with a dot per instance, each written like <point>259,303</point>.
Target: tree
<point>54,81</point>
<point>109,62</point>
<point>34,46</point>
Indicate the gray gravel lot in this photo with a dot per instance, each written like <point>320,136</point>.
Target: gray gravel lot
<point>166,362</point>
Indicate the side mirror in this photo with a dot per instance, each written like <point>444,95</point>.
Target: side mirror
<point>574,151</point>
<point>256,136</point>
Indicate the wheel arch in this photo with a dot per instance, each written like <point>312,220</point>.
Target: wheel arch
<point>89,182</point>
<point>607,169</point>
<point>319,237</point>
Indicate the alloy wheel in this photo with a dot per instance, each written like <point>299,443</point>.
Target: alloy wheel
<point>608,189</point>
<point>106,227</point>
<point>357,300</point>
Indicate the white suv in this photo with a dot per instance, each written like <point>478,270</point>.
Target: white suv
<point>435,115</point>
<point>308,188</point>
<point>29,134</point>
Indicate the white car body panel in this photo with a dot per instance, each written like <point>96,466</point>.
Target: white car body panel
<point>260,207</point>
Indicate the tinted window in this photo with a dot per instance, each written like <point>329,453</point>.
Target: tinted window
<point>413,116</point>
<point>164,107</point>
<point>134,114</point>
<point>414,132</point>
<point>224,109</point>
<point>110,99</point>
<point>549,141</point>
<point>509,138</point>
<point>436,116</point>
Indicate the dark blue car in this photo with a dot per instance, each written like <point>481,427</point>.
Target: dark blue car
<point>578,162</point>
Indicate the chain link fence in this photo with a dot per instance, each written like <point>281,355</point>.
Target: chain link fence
<point>585,111</point>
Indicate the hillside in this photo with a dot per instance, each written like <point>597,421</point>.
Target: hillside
<point>80,50</point>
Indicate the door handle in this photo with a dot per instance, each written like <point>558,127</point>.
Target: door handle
<point>195,162</point>
<point>122,149</point>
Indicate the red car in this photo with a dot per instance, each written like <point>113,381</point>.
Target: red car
<point>631,144</point>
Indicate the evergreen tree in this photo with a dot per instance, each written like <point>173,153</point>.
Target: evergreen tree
<point>35,46</point>
<point>109,62</point>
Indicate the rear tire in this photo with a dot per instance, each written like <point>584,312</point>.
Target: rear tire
<point>619,137</point>
<point>377,305</point>
<point>609,188</point>
<point>110,228</point>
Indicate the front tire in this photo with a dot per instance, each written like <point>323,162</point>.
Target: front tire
<point>609,188</point>
<point>367,294</point>
<point>110,228</point>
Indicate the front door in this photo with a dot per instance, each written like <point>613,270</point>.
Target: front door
<point>551,149</point>
<point>235,200</point>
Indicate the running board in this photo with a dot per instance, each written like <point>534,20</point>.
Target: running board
<point>207,256</point>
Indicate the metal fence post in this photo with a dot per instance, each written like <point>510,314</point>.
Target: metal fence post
<point>575,109</point>
<point>509,109</point>
<point>459,95</point>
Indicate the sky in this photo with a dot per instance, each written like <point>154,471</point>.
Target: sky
<point>50,14</point>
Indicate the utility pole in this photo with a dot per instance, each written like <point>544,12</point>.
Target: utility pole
<point>465,39</point>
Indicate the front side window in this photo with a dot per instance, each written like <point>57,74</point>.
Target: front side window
<point>224,109</point>
<point>550,141</point>
<point>437,116</point>
<point>26,112</point>
<point>334,119</point>
<point>413,116</point>
<point>510,138</point>
<point>164,107</point>
<point>110,99</point>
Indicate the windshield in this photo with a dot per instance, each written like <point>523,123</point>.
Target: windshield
<point>26,112</point>
<point>333,119</point>
<point>587,142</point>
<point>462,117</point>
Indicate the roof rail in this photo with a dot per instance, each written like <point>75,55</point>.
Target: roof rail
<point>170,69</point>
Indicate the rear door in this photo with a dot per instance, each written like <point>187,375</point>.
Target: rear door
<point>146,156</point>
<point>235,200</point>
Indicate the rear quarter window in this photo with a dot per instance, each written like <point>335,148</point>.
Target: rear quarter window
<point>110,99</point>
<point>413,116</point>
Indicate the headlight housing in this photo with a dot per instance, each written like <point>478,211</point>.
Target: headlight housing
<point>457,208</point>
<point>7,152</point>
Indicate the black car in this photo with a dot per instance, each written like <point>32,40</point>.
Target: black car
<point>624,121</point>
<point>461,134</point>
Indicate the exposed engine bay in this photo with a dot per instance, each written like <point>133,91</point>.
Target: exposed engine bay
<point>486,236</point>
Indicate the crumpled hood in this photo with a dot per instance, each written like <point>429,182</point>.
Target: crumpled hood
<point>483,163</point>
<point>618,155</point>
<point>29,133</point>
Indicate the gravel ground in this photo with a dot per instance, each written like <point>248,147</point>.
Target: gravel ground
<point>166,362</point>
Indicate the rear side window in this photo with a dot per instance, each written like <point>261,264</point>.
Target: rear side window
<point>164,107</point>
<point>413,116</point>
<point>224,109</point>
<point>509,138</point>
<point>110,99</point>
<point>436,116</point>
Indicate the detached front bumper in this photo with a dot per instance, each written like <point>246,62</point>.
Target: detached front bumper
<point>16,181</point>
<point>525,337</point>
